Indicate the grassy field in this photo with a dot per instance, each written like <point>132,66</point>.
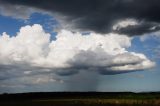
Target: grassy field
<point>81,99</point>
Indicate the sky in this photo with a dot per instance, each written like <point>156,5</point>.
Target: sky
<point>79,45</point>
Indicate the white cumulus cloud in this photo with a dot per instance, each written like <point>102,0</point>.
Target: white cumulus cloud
<point>32,48</point>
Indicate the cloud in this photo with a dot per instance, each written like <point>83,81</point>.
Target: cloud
<point>25,82</point>
<point>133,27</point>
<point>96,15</point>
<point>32,52</point>
<point>39,79</point>
<point>19,11</point>
<point>16,11</point>
<point>111,64</point>
<point>124,24</point>
<point>155,35</point>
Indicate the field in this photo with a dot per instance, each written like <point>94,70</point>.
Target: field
<point>81,99</point>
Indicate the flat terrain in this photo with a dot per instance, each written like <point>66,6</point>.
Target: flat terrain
<point>81,99</point>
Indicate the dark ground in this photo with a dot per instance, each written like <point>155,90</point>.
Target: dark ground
<point>81,99</point>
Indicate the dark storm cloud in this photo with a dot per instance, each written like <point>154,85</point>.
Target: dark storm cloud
<point>101,15</point>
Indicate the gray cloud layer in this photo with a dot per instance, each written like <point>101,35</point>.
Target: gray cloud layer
<point>100,15</point>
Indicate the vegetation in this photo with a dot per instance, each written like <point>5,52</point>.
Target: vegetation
<point>80,99</point>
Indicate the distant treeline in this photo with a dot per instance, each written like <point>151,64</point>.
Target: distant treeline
<point>79,95</point>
